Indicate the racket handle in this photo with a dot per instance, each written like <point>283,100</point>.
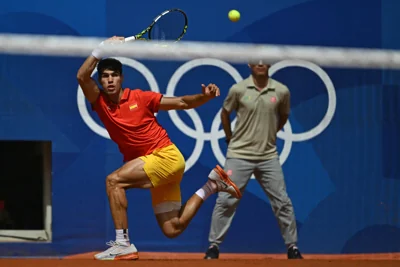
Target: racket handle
<point>130,39</point>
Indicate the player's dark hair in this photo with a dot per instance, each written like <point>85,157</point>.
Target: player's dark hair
<point>109,64</point>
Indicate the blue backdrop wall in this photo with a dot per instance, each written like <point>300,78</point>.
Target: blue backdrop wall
<point>343,176</point>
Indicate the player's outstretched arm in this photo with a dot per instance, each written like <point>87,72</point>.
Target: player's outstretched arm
<point>190,101</point>
<point>88,85</point>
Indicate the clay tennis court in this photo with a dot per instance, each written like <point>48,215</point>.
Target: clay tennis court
<point>148,259</point>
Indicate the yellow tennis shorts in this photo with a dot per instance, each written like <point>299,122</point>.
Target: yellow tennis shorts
<point>165,168</point>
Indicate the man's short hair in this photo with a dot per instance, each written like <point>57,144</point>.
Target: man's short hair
<point>109,64</point>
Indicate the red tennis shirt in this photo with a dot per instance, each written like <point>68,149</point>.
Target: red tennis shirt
<point>131,123</point>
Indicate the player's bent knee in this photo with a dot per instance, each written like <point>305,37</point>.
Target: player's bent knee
<point>167,214</point>
<point>112,180</point>
<point>172,228</point>
<point>171,233</point>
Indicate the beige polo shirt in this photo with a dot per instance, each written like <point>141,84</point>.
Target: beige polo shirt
<point>257,112</point>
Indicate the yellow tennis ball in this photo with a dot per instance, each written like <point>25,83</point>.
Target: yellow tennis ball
<point>234,15</point>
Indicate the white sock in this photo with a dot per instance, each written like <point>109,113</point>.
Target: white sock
<point>207,190</point>
<point>123,237</point>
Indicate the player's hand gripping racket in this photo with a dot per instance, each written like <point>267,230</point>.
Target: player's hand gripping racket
<point>171,25</point>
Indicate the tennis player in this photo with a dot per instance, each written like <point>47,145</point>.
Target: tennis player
<point>151,160</point>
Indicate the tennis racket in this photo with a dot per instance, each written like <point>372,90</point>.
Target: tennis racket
<point>171,25</point>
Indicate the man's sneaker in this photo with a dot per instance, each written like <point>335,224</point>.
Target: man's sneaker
<point>118,251</point>
<point>212,253</point>
<point>294,253</point>
<point>224,183</point>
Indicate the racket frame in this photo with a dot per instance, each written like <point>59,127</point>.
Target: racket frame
<point>140,35</point>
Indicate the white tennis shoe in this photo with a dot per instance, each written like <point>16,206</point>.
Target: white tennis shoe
<point>118,251</point>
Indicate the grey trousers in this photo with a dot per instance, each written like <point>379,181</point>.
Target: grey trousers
<point>270,176</point>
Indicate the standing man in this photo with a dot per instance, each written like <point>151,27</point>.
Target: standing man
<point>262,105</point>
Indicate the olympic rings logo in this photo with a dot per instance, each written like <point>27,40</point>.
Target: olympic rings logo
<point>198,133</point>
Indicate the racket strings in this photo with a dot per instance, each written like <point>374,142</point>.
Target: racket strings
<point>168,27</point>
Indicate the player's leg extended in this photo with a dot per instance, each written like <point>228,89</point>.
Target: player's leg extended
<point>130,175</point>
<point>270,176</point>
<point>174,219</point>
<point>240,172</point>
<point>166,169</point>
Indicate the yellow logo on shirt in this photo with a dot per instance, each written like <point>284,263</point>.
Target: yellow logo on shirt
<point>132,106</point>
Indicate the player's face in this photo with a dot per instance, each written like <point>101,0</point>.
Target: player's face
<point>111,81</point>
<point>259,69</point>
